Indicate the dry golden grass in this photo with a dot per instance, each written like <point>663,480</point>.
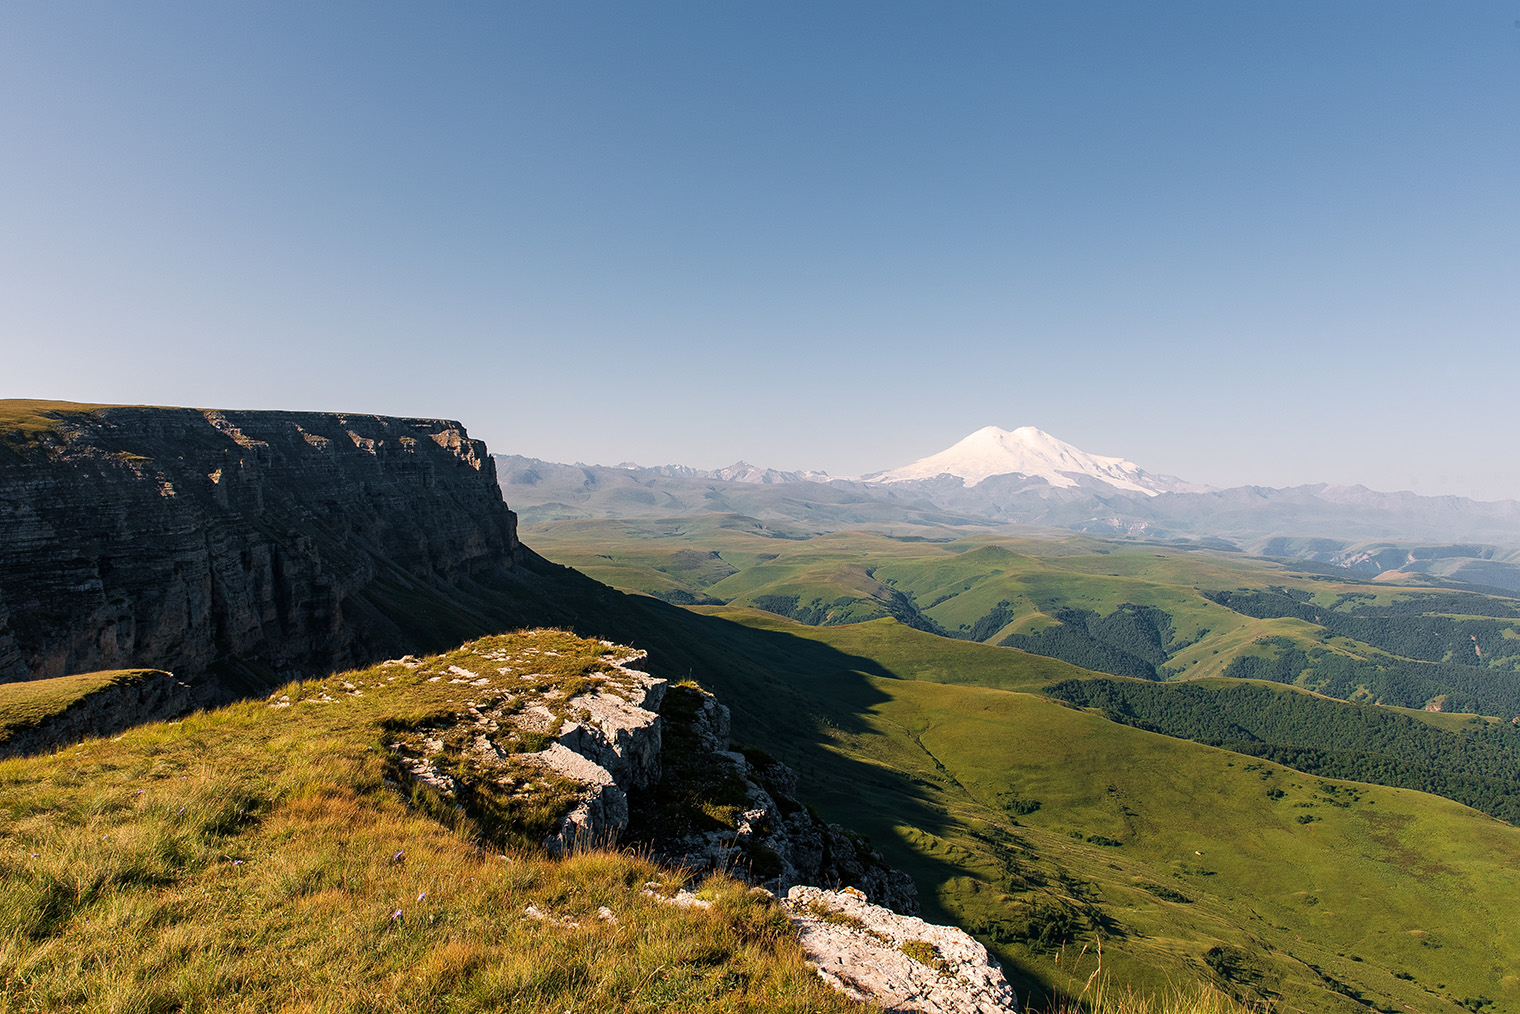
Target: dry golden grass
<point>261,858</point>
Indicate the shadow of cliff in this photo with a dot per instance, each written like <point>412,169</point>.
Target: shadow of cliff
<point>792,697</point>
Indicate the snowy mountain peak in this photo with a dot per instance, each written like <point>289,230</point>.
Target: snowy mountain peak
<point>1031,452</point>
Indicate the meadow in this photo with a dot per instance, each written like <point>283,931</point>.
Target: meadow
<point>1045,827</point>
<point>273,855</point>
<point>266,857</point>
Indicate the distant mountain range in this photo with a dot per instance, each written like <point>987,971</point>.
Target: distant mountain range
<point>997,477</point>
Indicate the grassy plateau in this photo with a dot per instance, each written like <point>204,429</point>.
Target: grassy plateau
<point>23,705</point>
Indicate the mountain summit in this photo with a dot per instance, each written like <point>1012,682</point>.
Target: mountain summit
<point>1030,452</point>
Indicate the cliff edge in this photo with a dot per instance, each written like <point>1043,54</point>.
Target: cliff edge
<point>239,549</point>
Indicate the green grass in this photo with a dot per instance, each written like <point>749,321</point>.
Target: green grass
<point>997,800</point>
<point>28,704</point>
<point>953,584</point>
<point>923,952</point>
<point>255,858</point>
<point>993,797</point>
<point>25,422</point>
<point>937,749</point>
<point>993,586</point>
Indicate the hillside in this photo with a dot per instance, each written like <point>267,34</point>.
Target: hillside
<point>1284,666</point>
<point>1036,824</point>
<point>162,870</point>
<point>1044,826</point>
<point>1157,612</point>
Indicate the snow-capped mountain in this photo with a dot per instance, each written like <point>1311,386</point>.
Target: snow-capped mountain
<point>1034,453</point>
<point>1028,477</point>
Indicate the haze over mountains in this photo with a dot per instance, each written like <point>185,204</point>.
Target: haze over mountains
<point>1025,476</point>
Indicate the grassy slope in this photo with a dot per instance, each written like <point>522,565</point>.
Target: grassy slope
<point>954,583</point>
<point>1392,885</point>
<point>25,421</point>
<point>27,704</point>
<point>255,858</point>
<point>847,711</point>
<point>957,583</point>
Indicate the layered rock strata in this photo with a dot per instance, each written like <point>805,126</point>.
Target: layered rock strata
<point>272,544</point>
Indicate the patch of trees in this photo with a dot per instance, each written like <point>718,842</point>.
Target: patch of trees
<point>1043,924</point>
<point>813,614</point>
<point>682,597</point>
<point>818,613</point>
<point>1407,628</point>
<point>1390,680</point>
<point>1479,766</point>
<point>995,620</point>
<point>1130,641</point>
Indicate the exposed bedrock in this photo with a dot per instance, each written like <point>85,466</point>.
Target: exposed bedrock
<point>716,808</point>
<point>260,544</point>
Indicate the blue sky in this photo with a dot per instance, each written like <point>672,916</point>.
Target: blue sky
<point>1272,243</point>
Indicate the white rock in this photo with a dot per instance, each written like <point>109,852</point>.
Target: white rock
<point>860,953</point>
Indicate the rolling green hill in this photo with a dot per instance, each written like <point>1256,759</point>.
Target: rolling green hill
<point>1158,613</point>
<point>1040,825</point>
<point>953,755</point>
<point>1050,828</point>
<point>1044,828</point>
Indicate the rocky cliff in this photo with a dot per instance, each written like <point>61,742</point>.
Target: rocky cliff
<point>255,546</point>
<point>577,753</point>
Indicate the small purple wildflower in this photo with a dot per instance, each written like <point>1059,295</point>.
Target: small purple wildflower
<point>422,895</point>
<point>181,809</point>
<point>396,915</point>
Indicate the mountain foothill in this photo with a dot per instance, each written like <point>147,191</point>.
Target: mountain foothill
<point>295,680</point>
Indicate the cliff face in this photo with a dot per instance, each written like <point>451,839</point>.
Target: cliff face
<point>267,543</point>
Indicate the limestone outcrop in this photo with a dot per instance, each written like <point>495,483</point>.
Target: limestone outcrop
<point>612,748</point>
<point>576,744</point>
<point>623,757</point>
<point>259,545</point>
<point>721,809</point>
<point>899,962</point>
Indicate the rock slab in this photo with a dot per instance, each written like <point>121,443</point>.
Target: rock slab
<point>897,961</point>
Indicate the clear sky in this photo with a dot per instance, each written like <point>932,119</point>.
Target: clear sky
<point>1268,242</point>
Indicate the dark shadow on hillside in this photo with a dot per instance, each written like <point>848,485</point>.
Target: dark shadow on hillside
<point>788,694</point>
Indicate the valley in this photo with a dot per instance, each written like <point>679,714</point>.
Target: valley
<point>1045,825</point>
<point>1154,764</point>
